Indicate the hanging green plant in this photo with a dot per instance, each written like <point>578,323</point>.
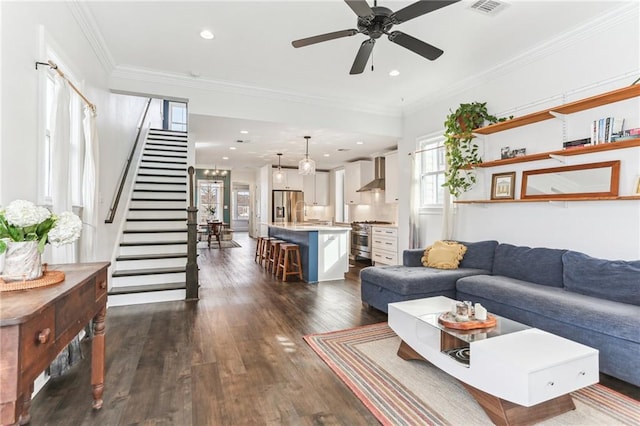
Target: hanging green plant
<point>461,150</point>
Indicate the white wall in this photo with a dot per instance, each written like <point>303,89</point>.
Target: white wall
<point>23,23</point>
<point>592,63</point>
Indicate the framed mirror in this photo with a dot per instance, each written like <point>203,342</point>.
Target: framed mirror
<point>582,180</point>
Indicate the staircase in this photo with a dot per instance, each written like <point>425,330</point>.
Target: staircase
<point>152,256</point>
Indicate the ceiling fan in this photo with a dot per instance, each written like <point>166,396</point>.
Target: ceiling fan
<point>376,21</point>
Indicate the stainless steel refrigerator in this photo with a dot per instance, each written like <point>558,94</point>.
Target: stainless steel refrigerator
<point>288,206</point>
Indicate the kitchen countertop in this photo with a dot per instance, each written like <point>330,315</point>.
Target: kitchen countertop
<point>305,227</point>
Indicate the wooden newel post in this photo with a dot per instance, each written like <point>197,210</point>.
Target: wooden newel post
<point>192,241</point>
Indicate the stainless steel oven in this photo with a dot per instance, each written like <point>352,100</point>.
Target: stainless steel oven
<point>361,239</point>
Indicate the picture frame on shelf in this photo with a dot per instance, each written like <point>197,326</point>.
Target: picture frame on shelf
<point>503,185</point>
<point>637,186</point>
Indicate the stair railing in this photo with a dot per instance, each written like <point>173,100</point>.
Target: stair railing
<point>116,199</point>
<point>192,241</point>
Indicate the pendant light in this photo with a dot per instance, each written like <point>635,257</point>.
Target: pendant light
<point>278,176</point>
<point>306,166</point>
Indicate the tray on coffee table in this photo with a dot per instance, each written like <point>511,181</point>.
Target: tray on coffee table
<point>449,320</point>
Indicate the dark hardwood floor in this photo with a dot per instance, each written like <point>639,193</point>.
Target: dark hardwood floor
<point>236,357</point>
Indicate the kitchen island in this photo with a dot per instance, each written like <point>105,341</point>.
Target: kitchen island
<point>324,249</point>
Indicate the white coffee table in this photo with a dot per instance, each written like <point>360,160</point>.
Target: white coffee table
<point>518,374</point>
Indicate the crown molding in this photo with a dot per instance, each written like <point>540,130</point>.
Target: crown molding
<point>89,28</point>
<point>594,27</point>
<point>128,72</point>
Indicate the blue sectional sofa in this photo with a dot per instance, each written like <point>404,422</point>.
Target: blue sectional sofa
<point>592,301</point>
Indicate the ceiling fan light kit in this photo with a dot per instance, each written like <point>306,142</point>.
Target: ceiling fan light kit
<point>377,21</point>
<point>307,166</point>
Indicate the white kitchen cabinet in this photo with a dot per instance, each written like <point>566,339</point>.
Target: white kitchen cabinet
<point>292,180</point>
<point>316,189</point>
<point>384,245</point>
<point>391,178</point>
<point>356,175</point>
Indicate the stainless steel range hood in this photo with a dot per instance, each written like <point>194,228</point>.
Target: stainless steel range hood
<point>378,181</point>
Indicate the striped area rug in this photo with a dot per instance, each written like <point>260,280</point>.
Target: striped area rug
<point>402,392</point>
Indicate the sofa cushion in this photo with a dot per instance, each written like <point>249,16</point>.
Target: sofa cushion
<point>479,255</point>
<point>537,265</point>
<point>414,280</point>
<point>443,255</point>
<point>615,319</point>
<point>615,280</point>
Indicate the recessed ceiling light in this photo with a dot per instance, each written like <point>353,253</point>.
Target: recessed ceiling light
<point>244,132</point>
<point>232,147</point>
<point>394,73</point>
<point>359,143</point>
<point>327,155</point>
<point>206,34</point>
<point>225,158</point>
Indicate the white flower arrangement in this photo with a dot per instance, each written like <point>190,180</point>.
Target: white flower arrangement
<point>24,221</point>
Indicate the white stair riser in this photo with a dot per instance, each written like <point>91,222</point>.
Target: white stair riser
<point>164,179</point>
<point>155,237</point>
<point>167,135</point>
<point>170,196</point>
<point>156,214</point>
<point>160,163</point>
<point>164,172</point>
<point>157,249</point>
<point>149,297</point>
<point>175,152</point>
<point>160,226</point>
<point>158,204</point>
<point>160,187</point>
<point>121,282</point>
<point>164,156</point>
<point>128,265</point>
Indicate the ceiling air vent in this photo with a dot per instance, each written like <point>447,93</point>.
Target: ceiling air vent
<point>488,7</point>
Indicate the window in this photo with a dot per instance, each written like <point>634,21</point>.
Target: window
<point>177,116</point>
<point>431,165</point>
<point>210,200</point>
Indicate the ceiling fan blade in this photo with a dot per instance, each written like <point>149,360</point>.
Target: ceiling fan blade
<point>323,37</point>
<point>418,46</point>
<point>362,57</point>
<point>360,7</point>
<point>418,8</point>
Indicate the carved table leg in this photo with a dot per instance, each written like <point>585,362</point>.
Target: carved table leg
<point>97,358</point>
<point>25,416</point>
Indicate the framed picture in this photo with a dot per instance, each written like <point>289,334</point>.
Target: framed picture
<point>637,187</point>
<point>502,186</point>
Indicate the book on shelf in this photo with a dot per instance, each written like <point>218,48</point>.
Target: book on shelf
<point>606,129</point>
<point>576,143</point>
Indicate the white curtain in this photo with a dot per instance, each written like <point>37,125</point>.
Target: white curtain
<point>415,239</point>
<point>447,213</point>
<point>60,149</point>
<point>89,186</point>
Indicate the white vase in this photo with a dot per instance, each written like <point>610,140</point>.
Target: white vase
<point>22,261</point>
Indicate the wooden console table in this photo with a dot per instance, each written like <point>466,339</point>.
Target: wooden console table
<point>36,324</point>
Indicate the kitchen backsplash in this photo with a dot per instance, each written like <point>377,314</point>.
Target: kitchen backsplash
<point>377,210</point>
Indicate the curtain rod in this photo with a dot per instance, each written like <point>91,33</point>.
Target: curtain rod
<point>52,65</point>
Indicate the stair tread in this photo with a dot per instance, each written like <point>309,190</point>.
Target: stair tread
<point>159,199</point>
<point>161,152</point>
<point>163,168</point>
<point>153,209</point>
<point>162,175</point>
<point>167,145</point>
<point>148,271</point>
<point>179,191</point>
<point>153,231</point>
<point>147,288</point>
<point>160,183</point>
<point>153,243</point>
<point>151,256</point>
<point>156,219</point>
<point>146,160</point>
<point>155,129</point>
